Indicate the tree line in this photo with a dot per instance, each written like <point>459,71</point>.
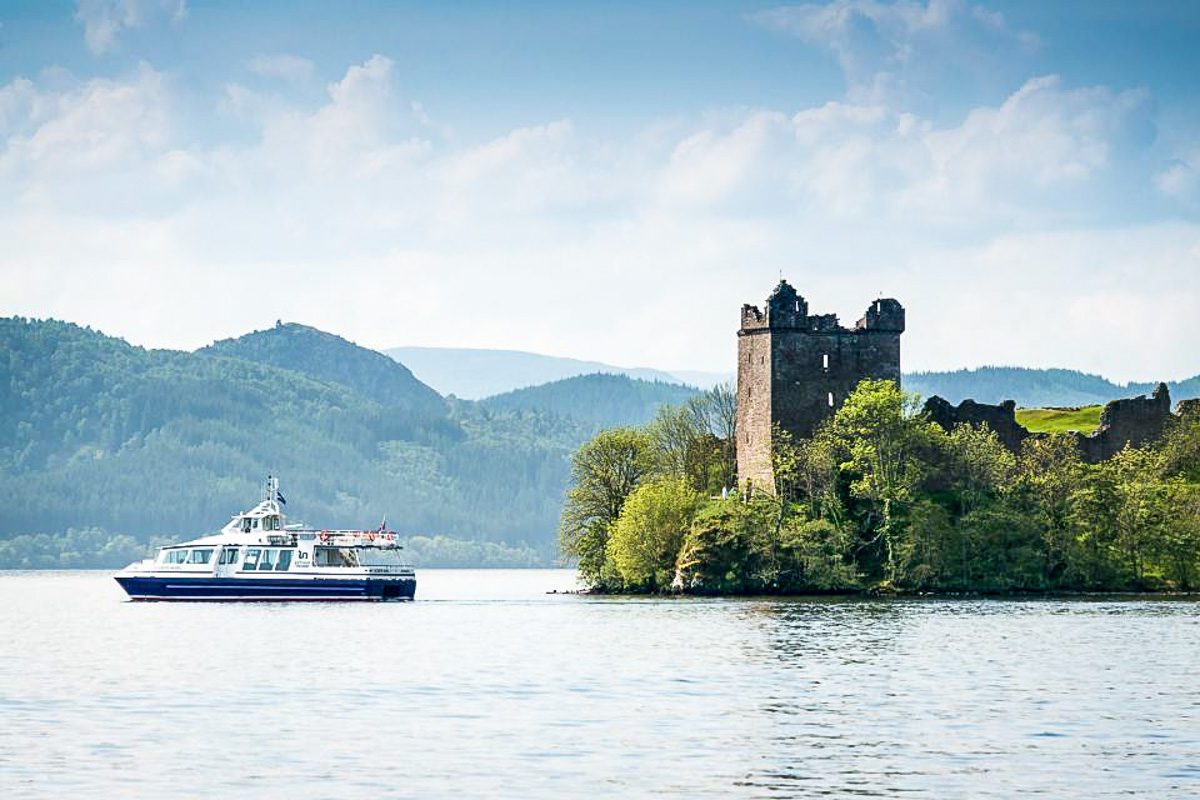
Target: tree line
<point>880,498</point>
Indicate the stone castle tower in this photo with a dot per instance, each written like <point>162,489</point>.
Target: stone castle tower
<point>796,369</point>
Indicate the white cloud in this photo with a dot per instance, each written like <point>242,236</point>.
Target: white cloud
<point>104,20</point>
<point>1179,179</point>
<point>355,215</point>
<point>97,126</point>
<point>900,51</point>
<point>283,66</point>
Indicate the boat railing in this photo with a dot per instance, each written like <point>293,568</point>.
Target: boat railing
<point>388,540</point>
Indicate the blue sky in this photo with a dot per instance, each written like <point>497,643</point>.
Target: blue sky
<point>570,177</point>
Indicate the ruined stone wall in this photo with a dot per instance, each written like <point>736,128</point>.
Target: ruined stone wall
<point>1135,421</point>
<point>796,369</point>
<point>1002,418</point>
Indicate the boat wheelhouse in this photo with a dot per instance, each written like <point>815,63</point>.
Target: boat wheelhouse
<point>259,556</point>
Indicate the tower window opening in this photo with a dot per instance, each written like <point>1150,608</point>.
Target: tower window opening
<point>831,399</point>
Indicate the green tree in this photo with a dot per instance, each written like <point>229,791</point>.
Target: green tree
<point>717,554</point>
<point>885,443</point>
<point>978,467</point>
<point>682,445</point>
<point>1177,548</point>
<point>1049,473</point>
<point>716,410</point>
<point>1181,445</point>
<point>604,472</point>
<point>646,538</point>
<point>812,557</point>
<point>1140,513</point>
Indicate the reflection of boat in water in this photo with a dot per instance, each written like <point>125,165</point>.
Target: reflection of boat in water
<point>257,556</point>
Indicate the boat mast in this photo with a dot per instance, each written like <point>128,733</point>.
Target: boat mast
<point>272,492</point>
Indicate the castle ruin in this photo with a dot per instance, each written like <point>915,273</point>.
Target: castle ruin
<point>796,369</point>
<point>1134,421</point>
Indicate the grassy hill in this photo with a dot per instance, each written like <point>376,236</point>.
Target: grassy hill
<point>1060,420</point>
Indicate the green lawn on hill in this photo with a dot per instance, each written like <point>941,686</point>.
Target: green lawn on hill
<point>1060,420</point>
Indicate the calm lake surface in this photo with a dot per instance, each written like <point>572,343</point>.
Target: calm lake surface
<point>488,686</point>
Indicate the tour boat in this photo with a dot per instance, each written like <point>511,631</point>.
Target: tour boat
<point>258,556</point>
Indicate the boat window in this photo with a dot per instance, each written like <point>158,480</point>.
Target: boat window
<point>201,556</point>
<point>245,525</point>
<point>334,557</point>
<point>285,561</point>
<point>267,561</point>
<point>229,556</point>
<point>175,557</point>
<point>251,559</point>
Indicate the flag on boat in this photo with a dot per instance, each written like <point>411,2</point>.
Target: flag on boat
<point>383,525</point>
<point>279,496</point>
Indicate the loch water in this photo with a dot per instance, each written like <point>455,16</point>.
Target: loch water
<point>487,686</point>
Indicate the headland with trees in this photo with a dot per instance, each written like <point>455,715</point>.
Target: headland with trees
<point>879,499</point>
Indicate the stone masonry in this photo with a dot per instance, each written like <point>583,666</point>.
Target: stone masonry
<point>796,369</point>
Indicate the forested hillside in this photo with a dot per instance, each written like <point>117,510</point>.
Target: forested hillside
<point>601,400</point>
<point>102,436</point>
<point>1035,388</point>
<point>326,357</point>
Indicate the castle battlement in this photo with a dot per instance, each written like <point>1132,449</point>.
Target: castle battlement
<point>785,309</point>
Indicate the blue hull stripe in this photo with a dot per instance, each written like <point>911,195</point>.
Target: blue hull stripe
<point>210,588</point>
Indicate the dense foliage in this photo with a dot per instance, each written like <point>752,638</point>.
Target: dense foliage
<point>883,499</point>
<point>98,434</point>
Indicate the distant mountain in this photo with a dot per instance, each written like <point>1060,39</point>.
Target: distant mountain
<point>599,400</point>
<point>472,374</point>
<point>704,380</point>
<point>326,357</point>
<point>1035,388</point>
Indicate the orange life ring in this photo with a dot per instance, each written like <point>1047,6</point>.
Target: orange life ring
<point>324,536</point>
